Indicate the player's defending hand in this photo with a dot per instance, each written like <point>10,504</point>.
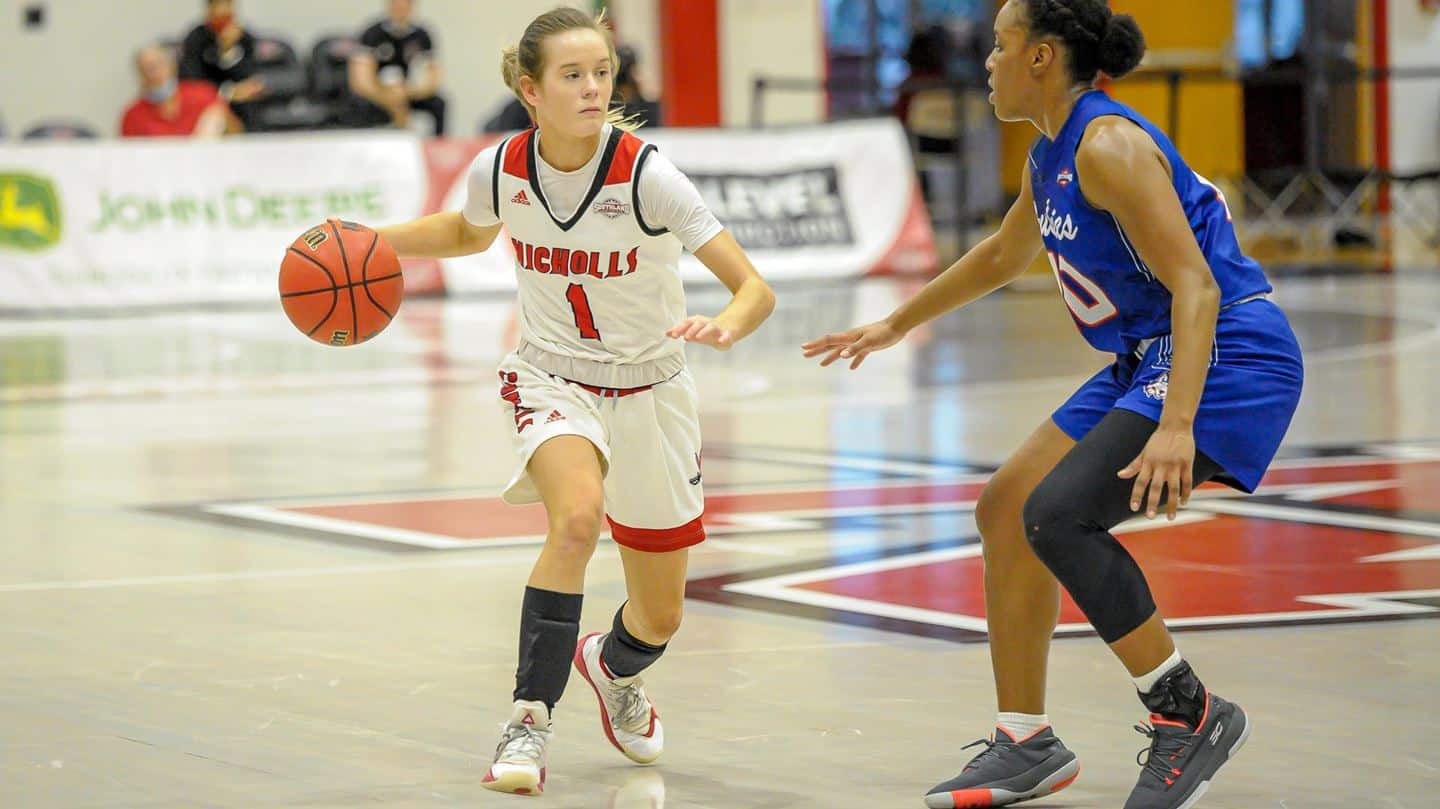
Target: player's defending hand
<point>855,344</point>
<point>705,330</point>
<point>1165,463</point>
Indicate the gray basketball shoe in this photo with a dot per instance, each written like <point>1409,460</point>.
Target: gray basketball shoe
<point>1182,760</point>
<point>1008,771</point>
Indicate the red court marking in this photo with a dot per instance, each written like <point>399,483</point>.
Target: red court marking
<point>1375,470</point>
<point>481,518</point>
<point>1417,490</point>
<point>490,517</point>
<point>1225,566</point>
<point>458,518</point>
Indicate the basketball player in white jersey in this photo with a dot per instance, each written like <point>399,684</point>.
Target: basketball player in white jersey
<point>604,410</point>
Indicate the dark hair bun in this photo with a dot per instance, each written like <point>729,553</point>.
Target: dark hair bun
<point>1121,47</point>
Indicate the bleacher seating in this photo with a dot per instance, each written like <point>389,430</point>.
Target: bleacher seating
<point>60,129</point>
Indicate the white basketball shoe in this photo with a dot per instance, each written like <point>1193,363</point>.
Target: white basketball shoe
<point>519,765</point>
<point>626,714</point>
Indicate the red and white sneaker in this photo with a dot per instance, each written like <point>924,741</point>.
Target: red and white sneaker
<point>627,715</point>
<point>519,765</point>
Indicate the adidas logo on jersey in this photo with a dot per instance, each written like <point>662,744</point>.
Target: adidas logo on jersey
<point>520,198</point>
<point>555,415</point>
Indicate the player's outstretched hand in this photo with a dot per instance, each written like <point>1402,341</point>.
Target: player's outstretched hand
<point>854,345</point>
<point>1165,463</point>
<point>705,330</point>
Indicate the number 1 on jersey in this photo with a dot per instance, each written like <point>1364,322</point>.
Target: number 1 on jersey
<point>584,318</point>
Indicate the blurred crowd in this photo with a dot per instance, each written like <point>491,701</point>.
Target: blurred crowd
<point>225,77</point>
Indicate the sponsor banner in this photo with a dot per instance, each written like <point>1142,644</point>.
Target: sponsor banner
<point>831,201</point>
<point>164,222</point>
<point>154,222</point>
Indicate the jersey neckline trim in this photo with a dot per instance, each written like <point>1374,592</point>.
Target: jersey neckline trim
<point>602,171</point>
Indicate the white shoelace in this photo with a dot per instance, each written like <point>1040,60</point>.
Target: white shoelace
<point>522,744</point>
<point>633,711</point>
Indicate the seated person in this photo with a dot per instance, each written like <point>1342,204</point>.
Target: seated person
<point>170,107</point>
<point>927,57</point>
<point>221,52</point>
<point>510,117</point>
<point>627,91</point>
<point>394,72</point>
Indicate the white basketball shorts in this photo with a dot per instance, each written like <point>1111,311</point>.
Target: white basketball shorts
<point>649,439</point>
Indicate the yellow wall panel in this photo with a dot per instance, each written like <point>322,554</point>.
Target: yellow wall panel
<point>1194,34</point>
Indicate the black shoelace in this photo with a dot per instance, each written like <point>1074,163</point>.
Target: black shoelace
<point>1166,748</point>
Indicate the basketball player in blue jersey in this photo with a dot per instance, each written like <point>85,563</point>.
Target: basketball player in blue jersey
<point>1206,379</point>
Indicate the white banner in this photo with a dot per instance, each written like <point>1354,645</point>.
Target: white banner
<point>831,201</point>
<point>147,222</point>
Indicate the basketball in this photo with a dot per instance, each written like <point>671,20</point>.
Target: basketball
<point>340,283</point>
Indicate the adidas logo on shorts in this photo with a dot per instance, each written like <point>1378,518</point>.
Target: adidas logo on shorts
<point>520,198</point>
<point>555,415</point>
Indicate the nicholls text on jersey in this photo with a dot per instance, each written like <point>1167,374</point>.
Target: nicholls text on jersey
<point>564,261</point>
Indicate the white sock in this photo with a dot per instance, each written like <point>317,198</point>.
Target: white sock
<point>1022,725</point>
<point>1145,682</point>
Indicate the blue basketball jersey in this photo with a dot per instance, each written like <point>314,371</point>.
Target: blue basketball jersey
<point>1116,300</point>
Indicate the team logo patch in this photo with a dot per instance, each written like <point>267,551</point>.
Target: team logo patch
<point>612,208</point>
<point>1065,177</point>
<point>1157,389</point>
<point>520,198</point>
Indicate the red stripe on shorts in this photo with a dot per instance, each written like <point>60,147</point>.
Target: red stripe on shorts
<point>658,540</point>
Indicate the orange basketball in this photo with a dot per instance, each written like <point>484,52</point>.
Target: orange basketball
<point>340,283</point>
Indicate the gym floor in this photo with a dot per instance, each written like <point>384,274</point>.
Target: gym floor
<point>245,570</point>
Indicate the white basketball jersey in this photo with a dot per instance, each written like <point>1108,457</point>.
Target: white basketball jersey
<point>597,290</point>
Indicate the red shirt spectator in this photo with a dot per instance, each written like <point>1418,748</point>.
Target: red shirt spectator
<point>170,107</point>
<point>178,115</point>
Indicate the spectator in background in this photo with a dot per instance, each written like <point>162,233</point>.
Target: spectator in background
<point>927,56</point>
<point>168,106</point>
<point>395,72</point>
<point>512,115</point>
<point>221,52</point>
<point>627,91</point>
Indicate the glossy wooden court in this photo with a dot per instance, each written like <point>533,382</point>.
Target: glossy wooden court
<point>244,570</point>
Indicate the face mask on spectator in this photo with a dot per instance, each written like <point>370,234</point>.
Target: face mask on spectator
<point>218,24</point>
<point>161,94</point>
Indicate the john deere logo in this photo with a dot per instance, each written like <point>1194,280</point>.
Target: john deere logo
<point>29,212</point>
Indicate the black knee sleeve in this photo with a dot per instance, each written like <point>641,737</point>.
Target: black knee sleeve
<point>1095,569</point>
<point>1069,516</point>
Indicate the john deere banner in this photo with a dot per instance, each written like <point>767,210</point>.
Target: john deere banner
<point>161,222</point>
<point>141,223</point>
